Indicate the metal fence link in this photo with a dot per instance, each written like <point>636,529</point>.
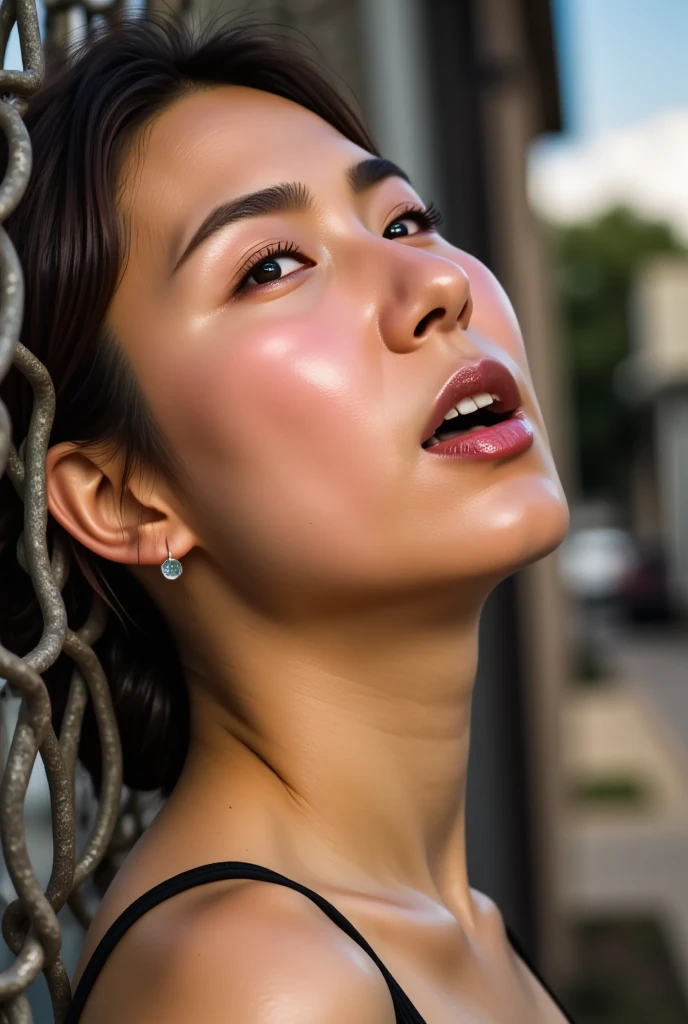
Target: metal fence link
<point>30,925</point>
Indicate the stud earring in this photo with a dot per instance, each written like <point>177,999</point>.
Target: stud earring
<point>171,568</point>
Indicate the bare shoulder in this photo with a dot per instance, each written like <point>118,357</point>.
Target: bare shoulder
<point>257,954</point>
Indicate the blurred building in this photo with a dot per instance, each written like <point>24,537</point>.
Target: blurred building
<point>655,378</point>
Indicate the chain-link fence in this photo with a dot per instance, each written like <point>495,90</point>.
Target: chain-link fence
<point>30,924</point>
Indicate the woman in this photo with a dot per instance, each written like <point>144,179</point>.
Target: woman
<point>311,411</point>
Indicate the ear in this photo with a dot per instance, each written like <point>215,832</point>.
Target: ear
<point>83,491</point>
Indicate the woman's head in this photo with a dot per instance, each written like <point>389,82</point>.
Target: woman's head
<point>256,316</point>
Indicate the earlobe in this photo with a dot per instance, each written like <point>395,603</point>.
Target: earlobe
<point>84,494</point>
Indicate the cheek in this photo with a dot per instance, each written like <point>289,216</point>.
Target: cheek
<point>280,421</point>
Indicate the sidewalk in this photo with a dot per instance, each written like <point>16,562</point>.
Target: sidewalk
<point>630,859</point>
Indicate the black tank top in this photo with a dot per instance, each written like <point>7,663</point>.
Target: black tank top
<point>406,1013</point>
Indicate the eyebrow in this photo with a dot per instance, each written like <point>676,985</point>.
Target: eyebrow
<point>290,197</point>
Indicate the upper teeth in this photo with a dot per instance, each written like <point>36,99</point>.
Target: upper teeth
<point>472,404</point>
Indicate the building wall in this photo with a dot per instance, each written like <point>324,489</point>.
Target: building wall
<point>658,376</point>
<point>671,446</point>
<point>512,112</point>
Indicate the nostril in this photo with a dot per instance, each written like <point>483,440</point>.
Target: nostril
<point>434,314</point>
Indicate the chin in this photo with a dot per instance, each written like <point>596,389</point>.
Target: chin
<point>545,525</point>
<point>548,531</point>
<point>525,522</point>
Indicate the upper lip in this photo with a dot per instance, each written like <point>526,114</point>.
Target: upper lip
<point>489,376</point>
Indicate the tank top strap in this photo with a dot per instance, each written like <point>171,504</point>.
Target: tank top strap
<point>406,1013</point>
<point>520,952</point>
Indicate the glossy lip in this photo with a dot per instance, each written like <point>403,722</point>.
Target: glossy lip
<point>489,376</point>
<point>501,441</point>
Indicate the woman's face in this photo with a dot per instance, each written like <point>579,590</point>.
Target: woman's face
<point>298,391</point>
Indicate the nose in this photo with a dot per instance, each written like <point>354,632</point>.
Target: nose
<point>423,293</point>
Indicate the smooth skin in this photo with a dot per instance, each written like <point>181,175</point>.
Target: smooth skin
<point>334,575</point>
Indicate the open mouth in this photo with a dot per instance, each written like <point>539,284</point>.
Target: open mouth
<point>478,415</point>
<point>469,421</point>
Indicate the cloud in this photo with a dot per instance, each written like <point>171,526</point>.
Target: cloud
<point>644,167</point>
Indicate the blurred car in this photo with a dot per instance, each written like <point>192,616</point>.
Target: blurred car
<point>596,562</point>
<point>644,592</point>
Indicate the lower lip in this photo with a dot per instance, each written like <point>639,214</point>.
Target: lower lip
<point>505,439</point>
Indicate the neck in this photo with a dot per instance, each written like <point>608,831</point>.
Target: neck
<point>354,730</point>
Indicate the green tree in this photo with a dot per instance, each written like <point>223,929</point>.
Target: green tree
<point>595,265</point>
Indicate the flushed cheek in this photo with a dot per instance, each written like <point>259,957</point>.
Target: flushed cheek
<point>286,415</point>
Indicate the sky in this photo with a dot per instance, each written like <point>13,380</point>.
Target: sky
<point>620,61</point>
<point>623,67</point>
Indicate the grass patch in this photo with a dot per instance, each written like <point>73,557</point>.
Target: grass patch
<point>590,666</point>
<point>611,791</point>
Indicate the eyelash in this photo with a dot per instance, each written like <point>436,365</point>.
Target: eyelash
<point>428,217</point>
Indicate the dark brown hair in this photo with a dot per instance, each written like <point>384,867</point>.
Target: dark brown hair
<point>72,245</point>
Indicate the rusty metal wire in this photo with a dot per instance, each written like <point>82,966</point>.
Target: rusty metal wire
<point>29,924</point>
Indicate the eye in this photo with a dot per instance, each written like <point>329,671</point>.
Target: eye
<point>270,264</point>
<point>275,262</point>
<point>398,228</point>
<point>425,219</point>
<point>272,269</point>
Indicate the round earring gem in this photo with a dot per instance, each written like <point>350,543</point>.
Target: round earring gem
<point>171,568</point>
